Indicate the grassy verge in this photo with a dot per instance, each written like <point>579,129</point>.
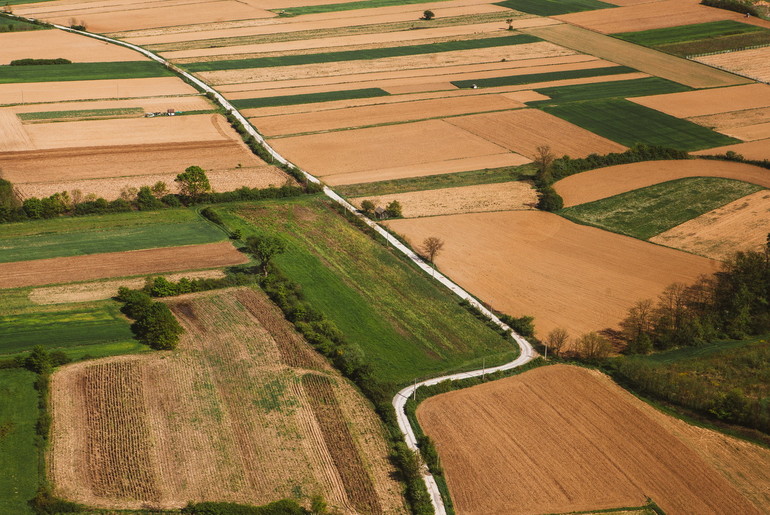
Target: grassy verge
<point>9,24</point>
<point>354,55</point>
<point>616,89</point>
<point>553,7</point>
<point>345,6</point>
<point>434,182</point>
<point>646,212</point>
<point>628,123</point>
<point>83,113</point>
<point>83,71</point>
<point>515,80</point>
<point>308,98</point>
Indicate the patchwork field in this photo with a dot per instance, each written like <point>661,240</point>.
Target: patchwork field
<point>709,101</point>
<point>577,430</point>
<point>53,44</point>
<point>30,92</point>
<point>752,63</point>
<point>244,411</point>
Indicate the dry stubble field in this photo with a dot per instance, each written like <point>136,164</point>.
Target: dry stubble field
<point>51,44</point>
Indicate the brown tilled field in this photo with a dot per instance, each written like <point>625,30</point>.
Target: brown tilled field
<point>51,44</point>
<point>561,439</point>
<point>758,131</point>
<point>12,134</point>
<point>539,264</point>
<point>758,150</point>
<point>465,199</point>
<point>613,180</point>
<point>180,103</point>
<point>739,225</point>
<point>244,411</point>
<point>118,264</point>
<point>754,63</point>
<point>734,119</point>
<point>709,101</point>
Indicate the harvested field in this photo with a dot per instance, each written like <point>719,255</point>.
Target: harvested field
<point>753,63</point>
<point>118,264</point>
<point>53,44</point>
<point>758,150</point>
<point>522,131</point>
<point>564,274</point>
<point>576,430</point>
<point>244,411</point>
<point>739,225</point>
<point>179,103</point>
<point>643,59</point>
<point>381,114</point>
<point>366,149</point>
<point>464,199</point>
<point>754,132</point>
<point>613,180</point>
<point>733,119</point>
<point>32,92</point>
<point>709,101</point>
<point>13,136</point>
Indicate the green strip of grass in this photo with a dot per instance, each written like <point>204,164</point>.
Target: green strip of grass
<point>687,33</point>
<point>84,113</point>
<point>18,452</point>
<point>647,212</point>
<point>405,324</point>
<point>308,98</point>
<point>617,89</point>
<point>515,80</point>
<point>434,182</point>
<point>8,24</point>
<point>553,7</point>
<point>83,71</point>
<point>353,55</point>
<point>628,123</point>
<point>345,6</point>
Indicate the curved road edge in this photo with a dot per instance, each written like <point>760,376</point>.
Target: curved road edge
<point>527,352</point>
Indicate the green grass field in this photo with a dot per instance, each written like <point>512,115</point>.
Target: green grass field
<point>406,325</point>
<point>308,98</point>
<point>83,113</point>
<point>616,89</point>
<point>515,80</point>
<point>628,123</point>
<point>434,182</point>
<point>8,24</point>
<point>18,453</point>
<point>354,55</point>
<point>82,71</point>
<point>553,7</point>
<point>348,6</point>
<point>646,212</point>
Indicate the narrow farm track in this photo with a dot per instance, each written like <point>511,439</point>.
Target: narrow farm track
<point>527,353</point>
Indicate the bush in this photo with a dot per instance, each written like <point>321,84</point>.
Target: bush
<point>45,503</point>
<point>739,6</point>
<point>154,324</point>
<point>34,62</point>
<point>549,200</point>
<point>283,507</point>
<point>524,325</point>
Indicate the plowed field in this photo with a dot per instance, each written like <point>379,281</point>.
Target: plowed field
<point>563,439</point>
<point>709,101</point>
<point>244,411</point>
<point>118,264</point>
<point>754,132</point>
<point>51,44</point>
<point>754,150</point>
<point>539,264</point>
<point>12,133</point>
<point>606,182</point>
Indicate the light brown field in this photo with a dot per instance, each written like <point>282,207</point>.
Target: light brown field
<point>52,44</point>
<point>539,264</point>
<point>523,130</point>
<point>758,131</point>
<point>464,199</point>
<point>12,133</point>
<point>740,225</point>
<point>758,150</point>
<point>381,114</point>
<point>380,147</point>
<point>33,92</point>
<point>244,411</point>
<point>753,63</point>
<point>180,103</point>
<point>40,272</point>
<point>643,59</point>
<point>733,118</point>
<point>709,101</point>
<point>563,439</point>
<point>613,180</point>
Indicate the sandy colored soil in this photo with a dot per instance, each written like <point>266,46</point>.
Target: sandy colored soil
<point>117,264</point>
<point>244,411</point>
<point>739,225</point>
<point>12,133</point>
<point>539,264</point>
<point>64,165</point>
<point>754,132</point>
<point>419,88</point>
<point>613,180</point>
<point>465,199</point>
<point>522,131</point>
<point>638,57</point>
<point>51,44</point>
<point>734,119</point>
<point>101,290</point>
<point>381,114</point>
<point>380,147</point>
<point>754,150</point>
<point>709,101</point>
<point>180,103</point>
<point>753,63</point>
<point>92,89</point>
<point>562,439</point>
<point>425,169</point>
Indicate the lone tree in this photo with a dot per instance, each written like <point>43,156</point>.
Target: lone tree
<point>428,15</point>
<point>544,158</point>
<point>367,206</point>
<point>509,21</point>
<point>193,182</point>
<point>394,209</point>
<point>431,247</point>
<point>264,248</point>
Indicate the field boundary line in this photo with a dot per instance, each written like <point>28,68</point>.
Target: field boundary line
<point>527,352</point>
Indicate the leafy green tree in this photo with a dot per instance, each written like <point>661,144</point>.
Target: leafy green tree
<point>158,328</point>
<point>394,209</point>
<point>265,248</point>
<point>367,206</point>
<point>146,199</point>
<point>193,182</point>
<point>428,15</point>
<point>33,207</point>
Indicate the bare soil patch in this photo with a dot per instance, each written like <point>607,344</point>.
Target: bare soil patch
<point>51,44</point>
<point>152,105</point>
<point>13,135</point>
<point>539,264</point>
<point>734,119</point>
<point>118,264</point>
<point>739,225</point>
<point>522,131</point>
<point>753,63</point>
<point>465,199</point>
<point>613,180</point>
<point>758,150</point>
<point>754,132</point>
<point>576,439</point>
<point>709,101</point>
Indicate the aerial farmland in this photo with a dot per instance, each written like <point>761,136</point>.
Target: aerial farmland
<point>385,257</point>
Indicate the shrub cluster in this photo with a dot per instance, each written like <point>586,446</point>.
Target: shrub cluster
<point>34,62</point>
<point>155,324</point>
<point>162,287</point>
<point>739,6</point>
<point>734,156</point>
<point>283,507</point>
